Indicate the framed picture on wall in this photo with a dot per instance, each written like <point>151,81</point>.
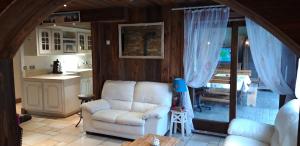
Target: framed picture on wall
<point>141,40</point>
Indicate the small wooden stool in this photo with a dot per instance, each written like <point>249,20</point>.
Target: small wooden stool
<point>84,99</point>
<point>178,117</point>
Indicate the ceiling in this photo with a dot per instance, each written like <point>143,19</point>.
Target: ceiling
<point>98,4</point>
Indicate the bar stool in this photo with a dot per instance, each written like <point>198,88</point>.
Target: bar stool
<point>178,117</point>
<point>84,99</point>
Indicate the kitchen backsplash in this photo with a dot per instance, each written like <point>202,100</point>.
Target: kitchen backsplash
<point>68,62</point>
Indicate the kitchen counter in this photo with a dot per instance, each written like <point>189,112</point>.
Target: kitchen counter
<point>80,70</point>
<point>53,77</point>
<point>83,73</point>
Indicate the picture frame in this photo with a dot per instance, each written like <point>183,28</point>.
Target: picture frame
<point>141,40</point>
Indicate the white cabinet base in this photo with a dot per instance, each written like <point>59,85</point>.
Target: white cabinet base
<point>51,97</point>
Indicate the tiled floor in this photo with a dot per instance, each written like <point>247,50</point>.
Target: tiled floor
<point>42,131</point>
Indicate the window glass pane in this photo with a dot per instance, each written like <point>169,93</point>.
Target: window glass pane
<point>212,101</point>
<point>255,101</point>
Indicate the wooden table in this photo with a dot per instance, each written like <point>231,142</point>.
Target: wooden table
<point>146,141</point>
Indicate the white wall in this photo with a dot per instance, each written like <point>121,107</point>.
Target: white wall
<point>17,64</point>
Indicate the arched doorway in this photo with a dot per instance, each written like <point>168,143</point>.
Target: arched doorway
<point>20,18</point>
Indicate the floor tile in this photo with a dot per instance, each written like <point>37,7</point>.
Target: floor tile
<point>47,142</point>
<point>112,142</point>
<point>65,138</point>
<point>49,131</point>
<point>196,143</point>
<point>205,138</point>
<point>85,141</point>
<point>34,138</point>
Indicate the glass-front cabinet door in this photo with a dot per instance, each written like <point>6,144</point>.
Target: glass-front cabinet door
<point>57,42</point>
<point>82,42</point>
<point>89,42</point>
<point>44,41</point>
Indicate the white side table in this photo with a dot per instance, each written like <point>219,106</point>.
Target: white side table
<point>178,117</point>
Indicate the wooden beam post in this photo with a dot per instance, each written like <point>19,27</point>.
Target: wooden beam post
<point>8,123</point>
<point>233,71</point>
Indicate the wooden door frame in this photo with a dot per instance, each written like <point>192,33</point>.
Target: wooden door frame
<point>219,126</point>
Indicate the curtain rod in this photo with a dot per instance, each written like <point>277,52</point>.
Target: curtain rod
<point>199,7</point>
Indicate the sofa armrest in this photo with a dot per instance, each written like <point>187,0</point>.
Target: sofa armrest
<point>251,129</point>
<point>95,105</point>
<point>157,112</point>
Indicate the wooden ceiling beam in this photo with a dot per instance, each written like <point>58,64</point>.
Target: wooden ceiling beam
<point>19,19</point>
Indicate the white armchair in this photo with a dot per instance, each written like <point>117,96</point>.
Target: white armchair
<point>243,132</point>
<point>129,109</point>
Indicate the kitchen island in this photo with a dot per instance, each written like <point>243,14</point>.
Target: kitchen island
<point>51,94</point>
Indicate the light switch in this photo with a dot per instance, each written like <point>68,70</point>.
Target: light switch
<point>107,42</point>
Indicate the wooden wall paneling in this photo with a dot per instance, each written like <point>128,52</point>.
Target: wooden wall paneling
<point>8,123</point>
<point>96,28</point>
<point>114,68</point>
<point>177,44</point>
<point>233,72</point>
<point>165,64</point>
<point>115,14</point>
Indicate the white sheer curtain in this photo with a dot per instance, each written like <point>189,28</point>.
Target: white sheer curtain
<point>204,34</point>
<point>297,89</point>
<point>266,52</point>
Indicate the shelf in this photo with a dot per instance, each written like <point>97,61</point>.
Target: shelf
<point>69,39</point>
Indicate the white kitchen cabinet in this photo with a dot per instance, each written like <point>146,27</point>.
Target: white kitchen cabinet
<point>44,42</point>
<point>84,42</point>
<point>82,47</point>
<point>30,44</point>
<point>52,95</point>
<point>86,85</point>
<point>89,42</point>
<point>33,96</point>
<point>57,42</point>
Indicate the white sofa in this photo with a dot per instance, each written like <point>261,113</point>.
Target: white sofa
<point>243,132</point>
<point>129,109</point>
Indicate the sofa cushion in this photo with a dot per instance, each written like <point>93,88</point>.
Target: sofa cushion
<point>119,117</point>
<point>131,118</point>
<point>120,105</point>
<point>109,115</point>
<point>119,94</point>
<point>142,107</point>
<point>286,123</point>
<point>96,105</point>
<point>151,93</point>
<point>122,129</point>
<point>233,140</point>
